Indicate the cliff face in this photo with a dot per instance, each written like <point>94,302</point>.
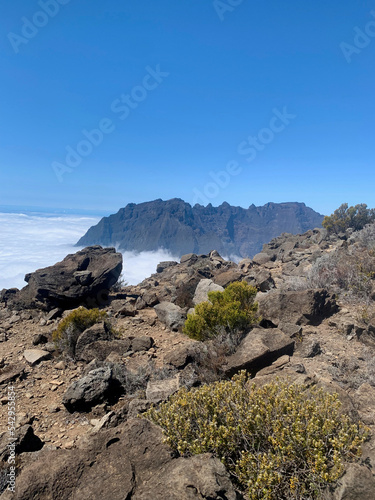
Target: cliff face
<point>181,228</point>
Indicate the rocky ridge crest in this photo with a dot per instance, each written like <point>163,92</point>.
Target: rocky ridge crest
<point>76,417</point>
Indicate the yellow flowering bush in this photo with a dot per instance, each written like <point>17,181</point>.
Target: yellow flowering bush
<point>70,328</point>
<point>280,441</point>
<point>232,309</point>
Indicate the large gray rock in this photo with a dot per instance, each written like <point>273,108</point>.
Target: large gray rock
<point>101,349</point>
<point>357,483</point>
<point>130,461</point>
<point>226,277</point>
<point>261,279</point>
<point>205,286</point>
<point>303,307</point>
<point>260,348</point>
<point>184,354</point>
<point>24,440</point>
<point>99,331</point>
<point>35,356</point>
<point>171,315</point>
<point>160,390</point>
<point>94,388</point>
<point>81,278</point>
<point>198,477</point>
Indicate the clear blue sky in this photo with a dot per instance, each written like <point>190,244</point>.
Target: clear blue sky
<point>221,72</point>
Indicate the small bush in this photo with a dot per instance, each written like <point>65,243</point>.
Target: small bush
<point>230,310</point>
<point>211,362</point>
<point>347,272</point>
<point>70,328</point>
<point>278,441</point>
<point>349,217</point>
<point>119,285</point>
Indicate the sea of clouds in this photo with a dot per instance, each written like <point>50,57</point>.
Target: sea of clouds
<point>31,241</point>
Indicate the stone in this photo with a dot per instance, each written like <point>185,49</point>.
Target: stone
<point>260,348</point>
<point>129,461</point>
<point>24,440</point>
<point>49,347</point>
<point>101,349</point>
<point>39,338</point>
<point>309,348</point>
<point>103,422</point>
<point>184,354</point>
<point>290,329</point>
<point>14,319</point>
<point>35,356</point>
<point>150,298</point>
<point>245,265</point>
<point>128,310</point>
<point>365,403</point>
<point>276,366</point>
<point>261,279</point>
<point>140,304</point>
<point>303,307</point>
<point>198,477</point>
<point>92,389</point>
<point>54,408</point>
<point>54,314</point>
<point>261,258</point>
<point>81,278</point>
<point>143,343</point>
<point>226,277</point>
<point>138,406</point>
<point>188,377</point>
<point>164,265</point>
<point>203,287</point>
<point>357,483</point>
<point>189,259</point>
<point>171,315</point>
<point>11,372</point>
<point>99,331</point>
<point>160,390</point>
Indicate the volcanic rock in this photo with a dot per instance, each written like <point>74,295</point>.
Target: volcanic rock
<point>81,278</point>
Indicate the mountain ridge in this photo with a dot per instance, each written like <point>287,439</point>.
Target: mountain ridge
<point>181,228</point>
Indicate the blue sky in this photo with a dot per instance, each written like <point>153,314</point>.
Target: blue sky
<point>175,92</point>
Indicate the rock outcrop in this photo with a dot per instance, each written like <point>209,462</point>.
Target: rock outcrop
<point>304,307</point>
<point>81,278</point>
<point>130,461</point>
<point>260,348</point>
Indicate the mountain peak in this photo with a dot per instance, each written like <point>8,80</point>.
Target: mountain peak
<point>180,228</point>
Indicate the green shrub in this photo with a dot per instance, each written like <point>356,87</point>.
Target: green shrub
<point>349,217</point>
<point>70,328</point>
<point>279,441</point>
<point>232,309</point>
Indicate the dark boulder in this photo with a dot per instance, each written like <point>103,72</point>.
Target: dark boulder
<point>260,348</point>
<point>24,440</point>
<point>96,387</point>
<point>100,331</point>
<point>130,461</point>
<point>101,349</point>
<point>171,315</point>
<point>83,278</point>
<point>303,307</point>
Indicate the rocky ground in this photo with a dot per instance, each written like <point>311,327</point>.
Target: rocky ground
<point>74,408</point>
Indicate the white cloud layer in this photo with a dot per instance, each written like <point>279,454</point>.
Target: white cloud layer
<point>33,241</point>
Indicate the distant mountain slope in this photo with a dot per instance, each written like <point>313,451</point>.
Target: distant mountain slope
<point>181,228</point>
